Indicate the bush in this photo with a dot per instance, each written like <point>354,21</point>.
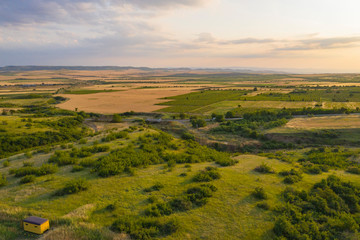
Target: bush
<point>111,207</point>
<point>155,187</point>
<point>263,205</point>
<point>72,187</point>
<point>354,170</point>
<point>62,158</point>
<point>6,163</point>
<point>199,195</point>
<point>145,228</point>
<point>292,176</point>
<point>3,180</point>
<point>159,209</point>
<point>77,168</point>
<point>27,179</point>
<point>28,164</point>
<point>45,169</point>
<point>259,193</point>
<point>264,168</point>
<point>207,175</point>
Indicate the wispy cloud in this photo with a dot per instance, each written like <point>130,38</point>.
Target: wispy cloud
<point>322,43</point>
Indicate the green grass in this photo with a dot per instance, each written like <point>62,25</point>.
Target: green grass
<point>196,100</point>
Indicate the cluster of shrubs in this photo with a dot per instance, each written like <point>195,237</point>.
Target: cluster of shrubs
<point>194,197</point>
<point>66,129</point>
<point>332,157</point>
<point>115,135</point>
<point>45,169</point>
<point>328,211</point>
<point>74,186</point>
<point>354,170</point>
<point>155,149</point>
<point>144,228</point>
<point>28,179</point>
<point>207,175</point>
<point>292,176</point>
<point>62,158</point>
<point>264,168</point>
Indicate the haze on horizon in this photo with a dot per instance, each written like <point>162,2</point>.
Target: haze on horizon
<point>308,36</point>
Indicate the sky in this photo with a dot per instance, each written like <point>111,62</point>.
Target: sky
<point>299,36</point>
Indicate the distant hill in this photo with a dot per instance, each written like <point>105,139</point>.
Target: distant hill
<point>98,68</point>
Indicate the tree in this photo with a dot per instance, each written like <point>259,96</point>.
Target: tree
<point>229,114</point>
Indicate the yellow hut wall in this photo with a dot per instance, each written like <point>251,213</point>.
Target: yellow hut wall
<point>38,229</point>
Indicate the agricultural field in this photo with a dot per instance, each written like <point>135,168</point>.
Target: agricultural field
<point>137,153</point>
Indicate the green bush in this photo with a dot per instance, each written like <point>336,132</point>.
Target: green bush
<point>3,180</point>
<point>259,193</point>
<point>327,211</point>
<point>145,228</point>
<point>77,168</point>
<point>207,175</point>
<point>155,187</point>
<point>6,163</point>
<point>45,169</point>
<point>292,176</point>
<point>73,186</point>
<point>354,170</point>
<point>27,179</point>
<point>264,168</point>
<point>263,205</point>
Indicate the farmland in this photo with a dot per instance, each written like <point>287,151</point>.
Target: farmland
<point>231,156</point>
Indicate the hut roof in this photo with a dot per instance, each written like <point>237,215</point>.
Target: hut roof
<point>35,220</point>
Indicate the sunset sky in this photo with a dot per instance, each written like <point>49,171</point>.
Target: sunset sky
<point>299,36</point>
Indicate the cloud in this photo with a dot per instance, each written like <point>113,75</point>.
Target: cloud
<point>322,43</point>
<point>27,12</point>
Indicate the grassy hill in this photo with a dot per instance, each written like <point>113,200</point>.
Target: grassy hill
<point>230,213</point>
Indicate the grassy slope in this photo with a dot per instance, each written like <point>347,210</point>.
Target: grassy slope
<point>230,214</point>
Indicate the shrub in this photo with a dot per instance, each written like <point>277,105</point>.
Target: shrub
<point>259,193</point>
<point>181,204</point>
<point>110,207</point>
<point>153,199</point>
<point>72,187</point>
<point>27,179</point>
<point>28,155</point>
<point>292,176</point>
<point>3,180</point>
<point>263,205</point>
<point>28,164</point>
<point>354,170</point>
<point>159,209</point>
<point>145,228</point>
<point>6,163</point>
<point>199,195</point>
<point>83,141</point>
<point>62,158</point>
<point>45,169</point>
<point>226,161</point>
<point>207,175</point>
<point>264,168</point>
<point>155,187</point>
<point>292,179</point>
<point>77,168</point>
